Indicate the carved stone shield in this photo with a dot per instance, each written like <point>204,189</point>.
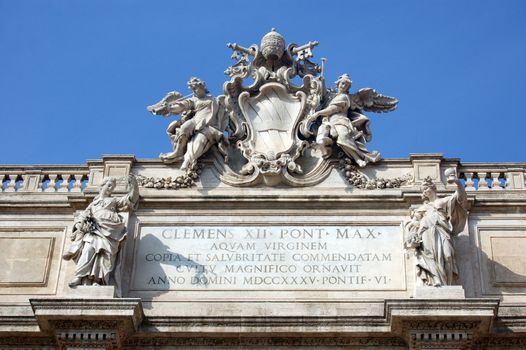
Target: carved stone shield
<point>272,116</point>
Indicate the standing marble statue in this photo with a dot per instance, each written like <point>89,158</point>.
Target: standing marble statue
<point>343,121</point>
<point>98,235</point>
<point>202,124</point>
<point>431,230</point>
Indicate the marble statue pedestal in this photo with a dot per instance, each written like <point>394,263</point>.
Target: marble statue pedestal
<point>443,292</point>
<point>98,292</point>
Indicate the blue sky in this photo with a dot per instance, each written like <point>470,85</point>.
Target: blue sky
<point>76,76</point>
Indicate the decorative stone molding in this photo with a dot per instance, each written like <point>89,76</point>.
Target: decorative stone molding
<point>425,334</point>
<point>426,165</point>
<point>97,323</point>
<point>380,342</point>
<point>28,343</point>
<point>442,324</point>
<point>512,343</point>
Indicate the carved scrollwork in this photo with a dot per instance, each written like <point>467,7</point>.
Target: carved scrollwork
<point>265,122</point>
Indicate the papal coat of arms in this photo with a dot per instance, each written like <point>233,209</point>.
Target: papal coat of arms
<point>267,128</point>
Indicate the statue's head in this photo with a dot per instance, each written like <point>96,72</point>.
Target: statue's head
<point>344,83</point>
<point>272,45</point>
<point>107,186</point>
<point>429,189</point>
<point>197,86</point>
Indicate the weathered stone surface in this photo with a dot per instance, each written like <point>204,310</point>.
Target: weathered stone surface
<point>442,292</point>
<point>272,257</point>
<point>94,292</point>
<point>284,230</point>
<point>252,316</point>
<point>509,260</point>
<point>25,260</point>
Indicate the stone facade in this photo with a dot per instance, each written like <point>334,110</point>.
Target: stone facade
<point>366,296</point>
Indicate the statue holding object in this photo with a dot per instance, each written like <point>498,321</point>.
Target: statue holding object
<point>344,122</point>
<point>98,235</point>
<point>276,123</point>
<point>203,122</point>
<point>431,230</point>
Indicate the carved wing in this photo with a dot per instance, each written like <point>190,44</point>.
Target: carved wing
<point>369,100</point>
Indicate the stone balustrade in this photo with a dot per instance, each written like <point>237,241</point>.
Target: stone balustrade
<point>492,177</point>
<point>43,178</point>
<point>74,178</point>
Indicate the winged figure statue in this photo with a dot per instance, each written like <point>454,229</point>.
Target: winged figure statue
<point>343,121</point>
<point>202,124</point>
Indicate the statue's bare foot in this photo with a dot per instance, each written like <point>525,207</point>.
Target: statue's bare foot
<point>361,163</point>
<point>376,156</point>
<point>323,148</point>
<point>77,281</point>
<point>168,157</point>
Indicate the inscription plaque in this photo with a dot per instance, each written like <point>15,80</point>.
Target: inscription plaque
<point>269,258</point>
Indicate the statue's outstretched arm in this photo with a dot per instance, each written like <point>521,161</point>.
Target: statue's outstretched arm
<point>460,192</point>
<point>130,200</point>
<point>327,111</point>
<point>133,188</point>
<point>457,203</point>
<point>181,107</point>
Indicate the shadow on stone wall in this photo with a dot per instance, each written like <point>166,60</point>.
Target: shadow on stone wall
<point>154,279</point>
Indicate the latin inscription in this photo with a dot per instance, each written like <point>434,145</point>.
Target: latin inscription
<point>274,257</point>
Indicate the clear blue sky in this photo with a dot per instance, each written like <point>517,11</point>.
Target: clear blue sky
<point>76,76</point>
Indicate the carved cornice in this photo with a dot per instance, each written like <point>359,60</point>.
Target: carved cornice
<point>463,314</point>
<point>266,341</point>
<point>315,323</point>
<point>487,342</point>
<point>50,311</point>
<point>423,323</point>
<point>27,342</point>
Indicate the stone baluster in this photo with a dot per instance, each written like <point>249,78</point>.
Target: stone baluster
<point>495,175</point>
<point>64,186</point>
<point>469,181</point>
<point>77,185</point>
<point>504,181</point>
<point>3,178</point>
<point>52,183</point>
<point>43,183</point>
<point>12,183</point>
<point>483,183</point>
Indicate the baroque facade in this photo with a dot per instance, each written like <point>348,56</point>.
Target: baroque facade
<point>269,223</point>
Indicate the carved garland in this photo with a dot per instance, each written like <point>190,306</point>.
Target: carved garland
<point>172,183</point>
<point>359,180</point>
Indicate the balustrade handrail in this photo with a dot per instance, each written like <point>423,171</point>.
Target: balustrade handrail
<point>43,168</point>
<point>43,178</point>
<point>492,167</point>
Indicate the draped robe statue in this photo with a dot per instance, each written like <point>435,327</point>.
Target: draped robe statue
<point>99,233</point>
<point>431,230</point>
